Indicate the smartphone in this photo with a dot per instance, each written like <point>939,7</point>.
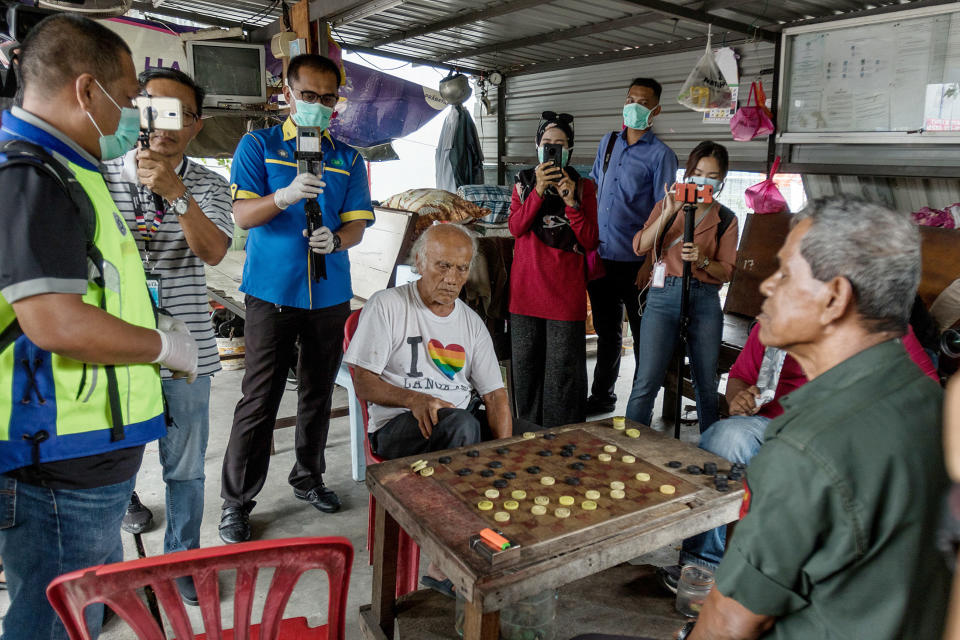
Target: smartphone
<point>553,153</point>
<point>167,113</point>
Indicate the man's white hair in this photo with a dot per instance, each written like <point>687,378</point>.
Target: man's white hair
<point>419,250</point>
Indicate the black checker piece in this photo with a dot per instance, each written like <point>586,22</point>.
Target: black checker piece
<point>534,469</point>
<point>500,483</point>
<point>464,472</point>
<point>495,464</point>
<point>473,453</point>
<point>444,459</point>
<point>487,473</point>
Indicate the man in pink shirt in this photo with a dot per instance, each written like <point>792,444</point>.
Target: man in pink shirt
<point>738,438</point>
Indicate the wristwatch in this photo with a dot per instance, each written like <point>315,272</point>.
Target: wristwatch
<point>704,264</point>
<point>336,242</point>
<point>686,630</point>
<point>181,204</point>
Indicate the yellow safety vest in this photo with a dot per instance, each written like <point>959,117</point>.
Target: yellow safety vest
<point>55,408</point>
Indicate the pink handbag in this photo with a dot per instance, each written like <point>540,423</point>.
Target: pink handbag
<point>753,120</point>
<point>765,197</point>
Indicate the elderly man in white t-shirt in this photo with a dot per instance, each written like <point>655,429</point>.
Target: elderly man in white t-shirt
<point>420,353</point>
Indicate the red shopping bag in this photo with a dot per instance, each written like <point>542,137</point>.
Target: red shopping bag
<point>765,197</point>
<point>754,119</point>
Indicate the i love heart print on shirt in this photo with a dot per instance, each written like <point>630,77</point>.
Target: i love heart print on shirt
<point>449,359</point>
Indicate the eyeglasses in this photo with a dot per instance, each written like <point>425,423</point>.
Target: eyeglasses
<point>190,118</point>
<point>310,97</point>
<point>553,116</point>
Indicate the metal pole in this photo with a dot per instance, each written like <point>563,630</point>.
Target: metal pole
<point>689,211</point>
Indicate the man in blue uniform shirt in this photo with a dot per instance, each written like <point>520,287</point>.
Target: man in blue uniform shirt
<point>284,304</point>
<point>630,170</point>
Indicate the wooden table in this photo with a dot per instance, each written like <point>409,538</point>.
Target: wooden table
<point>442,528</point>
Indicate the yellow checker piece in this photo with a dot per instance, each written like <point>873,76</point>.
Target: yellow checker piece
<point>643,477</point>
<point>511,505</point>
<point>547,481</point>
<point>485,505</point>
<point>542,500</point>
<point>538,510</point>
<point>501,516</point>
<point>566,500</point>
<point>609,448</point>
<point>426,471</point>
<point>628,459</point>
<point>589,505</point>
<point>616,484</point>
<point>604,457</point>
<point>617,494</point>
<point>493,494</point>
<point>519,494</point>
<point>632,433</point>
<point>562,512</point>
<point>668,489</point>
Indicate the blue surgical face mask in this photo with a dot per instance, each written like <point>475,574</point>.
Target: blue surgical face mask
<point>125,137</point>
<point>564,157</point>
<point>312,115</point>
<point>636,116</point>
<point>701,180</point>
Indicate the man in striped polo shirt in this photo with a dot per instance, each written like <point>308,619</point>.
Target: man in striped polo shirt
<point>193,226</point>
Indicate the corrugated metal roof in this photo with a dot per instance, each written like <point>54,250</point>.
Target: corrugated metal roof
<point>513,35</point>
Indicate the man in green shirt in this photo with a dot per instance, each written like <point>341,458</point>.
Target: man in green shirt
<point>837,540</point>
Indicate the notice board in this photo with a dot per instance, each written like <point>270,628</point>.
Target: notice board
<point>897,73</point>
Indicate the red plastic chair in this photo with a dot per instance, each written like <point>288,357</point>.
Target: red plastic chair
<point>408,552</point>
<point>116,585</point>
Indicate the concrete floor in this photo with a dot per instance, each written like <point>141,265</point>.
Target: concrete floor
<point>278,514</point>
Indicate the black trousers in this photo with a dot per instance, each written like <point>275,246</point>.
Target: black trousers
<point>608,297</point>
<point>271,333</point>
<point>549,370</point>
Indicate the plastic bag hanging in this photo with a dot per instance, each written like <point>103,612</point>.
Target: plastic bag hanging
<point>752,120</point>
<point>765,197</point>
<point>706,88</point>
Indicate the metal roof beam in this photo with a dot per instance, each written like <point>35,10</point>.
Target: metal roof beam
<point>638,19</point>
<point>457,21</point>
<point>147,8</point>
<point>412,59</point>
<point>693,44</point>
<point>676,11</point>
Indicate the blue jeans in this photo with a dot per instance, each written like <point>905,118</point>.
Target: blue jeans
<point>737,438</point>
<point>181,455</point>
<point>659,332</point>
<point>45,533</point>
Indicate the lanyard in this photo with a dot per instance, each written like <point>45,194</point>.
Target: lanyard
<point>136,191</point>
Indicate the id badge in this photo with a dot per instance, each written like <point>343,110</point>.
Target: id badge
<point>659,274</point>
<point>155,286</point>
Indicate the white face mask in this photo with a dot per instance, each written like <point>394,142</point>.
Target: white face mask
<point>716,183</point>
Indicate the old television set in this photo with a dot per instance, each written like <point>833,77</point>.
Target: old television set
<point>233,73</point>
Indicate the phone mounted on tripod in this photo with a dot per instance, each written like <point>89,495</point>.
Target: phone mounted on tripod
<point>309,158</point>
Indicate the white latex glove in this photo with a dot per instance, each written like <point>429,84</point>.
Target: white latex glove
<point>305,185</point>
<point>321,241</point>
<point>178,349</point>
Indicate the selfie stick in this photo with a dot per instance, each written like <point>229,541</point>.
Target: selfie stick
<point>310,160</point>
<point>144,141</point>
<point>690,195</point>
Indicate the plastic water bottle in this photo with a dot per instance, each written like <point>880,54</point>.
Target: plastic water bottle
<point>769,375</point>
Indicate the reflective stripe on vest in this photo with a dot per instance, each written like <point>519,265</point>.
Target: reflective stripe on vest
<point>67,399</point>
